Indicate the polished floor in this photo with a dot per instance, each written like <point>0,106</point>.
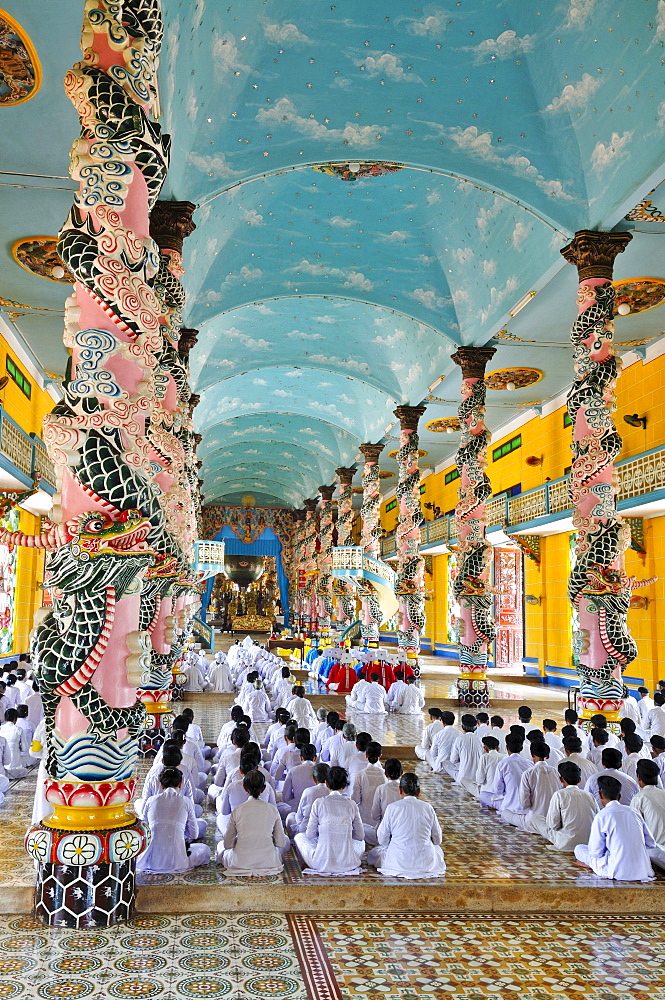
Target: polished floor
<point>291,956</point>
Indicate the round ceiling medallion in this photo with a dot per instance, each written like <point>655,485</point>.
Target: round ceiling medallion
<point>512,378</point>
<point>394,454</point>
<point>384,474</point>
<point>39,255</point>
<point>639,294</point>
<point>20,72</point>
<point>444,425</point>
<point>248,500</point>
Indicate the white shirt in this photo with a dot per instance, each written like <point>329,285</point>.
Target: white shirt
<point>429,731</point>
<point>466,754</point>
<point>537,786</point>
<point>373,700</point>
<point>363,787</point>
<point>486,770</point>
<point>570,814</point>
<point>412,701</point>
<point>234,795</point>
<point>383,796</point>
<point>587,767</point>
<point>410,835</point>
<point>342,753</point>
<point>644,706</point>
<point>171,819</point>
<point>395,693</point>
<point>629,786</point>
<point>14,737</point>
<point>334,823</point>
<point>307,800</point>
<point>655,721</point>
<point>507,781</point>
<point>297,780</point>
<point>553,741</point>
<point>254,838</point>
<point>442,746</point>
<point>649,802</point>
<point>618,844</point>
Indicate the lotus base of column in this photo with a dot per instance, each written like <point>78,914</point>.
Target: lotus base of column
<point>473,692</point>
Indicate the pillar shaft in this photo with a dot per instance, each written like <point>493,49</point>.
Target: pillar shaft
<point>119,442</point>
<point>324,588</point>
<point>310,565</point>
<point>298,562</point>
<point>371,535</point>
<point>471,588</point>
<point>346,602</point>
<point>598,588</point>
<point>411,565</point>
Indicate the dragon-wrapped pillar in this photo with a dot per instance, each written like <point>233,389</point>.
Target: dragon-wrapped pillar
<point>346,602</point>
<point>324,588</point>
<point>411,565</point>
<point>371,538</point>
<point>311,537</point>
<point>476,629</point>
<point>297,555</point>
<point>112,520</point>
<point>598,588</point>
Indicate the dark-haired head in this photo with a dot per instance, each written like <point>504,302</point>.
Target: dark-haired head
<point>447,718</point>
<point>302,736</point>
<point>170,777</point>
<point>633,743</point>
<point>540,751</point>
<point>627,725</point>
<point>572,744</point>
<point>337,779</point>
<point>611,757</point>
<point>363,740</point>
<point>409,784</point>
<point>254,783</point>
<point>600,737</point>
<point>570,772</point>
<point>609,788</point>
<point>514,743</point>
<point>308,751</point>
<point>171,756</point>
<point>497,721</point>
<point>373,751</point>
<point>491,742</point>
<point>648,772</point>
<point>393,768</point>
<point>320,773</point>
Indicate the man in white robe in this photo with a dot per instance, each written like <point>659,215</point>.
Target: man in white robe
<point>537,786</point>
<point>16,745</point>
<point>572,748</point>
<point>442,745</point>
<point>465,755</point>
<point>365,782</point>
<point>373,700</point>
<point>412,701</point>
<point>649,802</point>
<point>219,677</point>
<point>636,750</point>
<point>610,763</point>
<point>644,705</point>
<point>619,840</point>
<point>297,780</point>
<point>487,764</point>
<point>655,720</point>
<point>396,690</point>
<point>409,836</point>
<point>384,794</point>
<point>333,842</point>
<point>506,791</point>
<point>435,726</point>
<point>296,822</point>
<point>171,819</point>
<point>571,811</point>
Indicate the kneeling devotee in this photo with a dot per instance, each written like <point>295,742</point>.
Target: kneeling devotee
<point>571,811</point>
<point>254,840</point>
<point>649,802</point>
<point>409,835</point>
<point>619,840</point>
<point>334,840</point>
<point>537,786</point>
<point>172,823</point>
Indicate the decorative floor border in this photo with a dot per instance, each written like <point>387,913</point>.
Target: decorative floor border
<point>315,966</point>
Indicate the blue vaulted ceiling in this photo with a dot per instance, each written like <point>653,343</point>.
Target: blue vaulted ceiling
<point>323,303</point>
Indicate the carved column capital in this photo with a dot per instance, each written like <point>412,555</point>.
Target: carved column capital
<point>194,401</point>
<point>198,438</point>
<point>326,493</point>
<point>346,475</point>
<point>171,222</point>
<point>371,451</point>
<point>186,341</point>
<point>298,515</point>
<point>593,253</point>
<point>473,360</point>
<point>311,505</point>
<point>409,416</point>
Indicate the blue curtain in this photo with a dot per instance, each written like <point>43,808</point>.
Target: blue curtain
<point>267,544</point>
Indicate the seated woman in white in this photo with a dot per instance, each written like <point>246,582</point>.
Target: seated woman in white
<point>170,816</point>
<point>235,794</point>
<point>171,757</point>
<point>334,841</point>
<point>254,841</point>
<point>383,795</point>
<point>409,835</point>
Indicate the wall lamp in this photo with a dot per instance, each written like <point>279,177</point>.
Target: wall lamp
<point>636,421</point>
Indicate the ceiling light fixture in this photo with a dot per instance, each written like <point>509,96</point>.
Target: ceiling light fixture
<point>432,387</point>
<point>634,420</point>
<point>389,428</point>
<point>623,309</point>
<point>522,302</point>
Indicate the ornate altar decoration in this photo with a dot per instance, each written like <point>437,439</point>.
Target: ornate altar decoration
<point>121,442</point>
<point>475,625</point>
<point>598,589</point>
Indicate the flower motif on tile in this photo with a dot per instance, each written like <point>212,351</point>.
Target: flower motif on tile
<point>135,988</point>
<point>63,989</point>
<point>204,987</point>
<point>125,844</point>
<point>38,845</point>
<point>80,849</point>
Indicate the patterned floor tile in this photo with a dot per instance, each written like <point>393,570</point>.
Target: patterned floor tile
<point>474,959</point>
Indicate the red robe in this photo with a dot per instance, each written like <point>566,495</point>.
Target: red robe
<point>406,669</point>
<point>385,671</point>
<point>344,676</point>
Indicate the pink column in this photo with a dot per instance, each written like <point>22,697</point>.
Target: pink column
<point>309,552</point>
<point>371,537</point>
<point>598,587</point>
<point>471,587</point>
<point>324,588</point>
<point>411,565</point>
<point>346,602</point>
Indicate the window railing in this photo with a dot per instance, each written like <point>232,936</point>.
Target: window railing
<point>26,452</point>
<point>636,476</point>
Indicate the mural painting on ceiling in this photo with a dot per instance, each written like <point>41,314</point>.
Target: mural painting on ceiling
<point>638,294</point>
<point>20,72</point>
<point>358,171</point>
<point>39,255</point>
<point>512,378</point>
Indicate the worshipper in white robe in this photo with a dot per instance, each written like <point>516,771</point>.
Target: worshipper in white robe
<point>301,710</point>
<point>291,757</point>
<point>342,752</point>
<point>409,836</point>
<point>537,786</point>
<point>383,795</point>
<point>655,720</point>
<point>412,701</point>
<point>28,733</point>
<point>16,745</point>
<point>373,700</point>
<point>296,822</point>
<point>357,691</point>
<point>11,691</point>
<point>172,822</point>
<point>635,750</point>
<point>35,706</point>
<point>334,841</point>
<point>196,682</point>
<point>172,758</point>
<point>358,760</point>
<point>283,689</point>
<point>429,732</point>
<point>442,745</point>
<point>487,765</point>
<point>192,746</point>
<point>254,841</point>
<point>226,732</point>
<point>195,733</point>
<point>572,748</point>
<point>610,763</point>
<point>570,814</point>
<point>40,807</point>
<point>657,745</point>
<point>629,709</point>
<point>228,760</point>
<point>219,677</point>
<point>649,802</point>
<point>506,791</point>
<point>298,779</point>
<point>465,755</point>
<point>329,746</point>
<point>619,840</point>
<point>365,782</point>
<point>235,793</point>
<point>644,705</point>
<point>551,736</point>
<point>324,728</point>
<point>396,691</point>
<point>287,746</point>
<point>256,704</point>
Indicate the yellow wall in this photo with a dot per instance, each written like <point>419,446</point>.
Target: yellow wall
<point>29,415</point>
<point>548,624</point>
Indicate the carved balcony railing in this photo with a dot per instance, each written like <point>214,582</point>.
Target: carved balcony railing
<point>208,558</point>
<point>25,452</point>
<point>638,476</point>
<point>350,563</point>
